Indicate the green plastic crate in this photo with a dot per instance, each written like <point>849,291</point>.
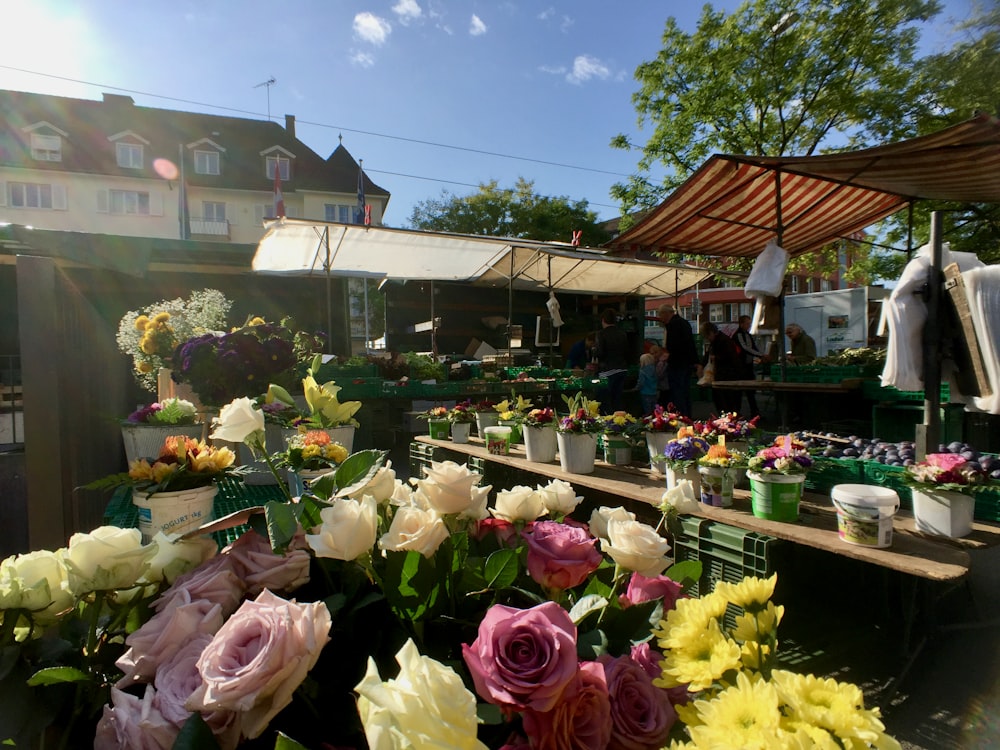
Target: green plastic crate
<point>891,477</point>
<point>988,504</point>
<point>345,372</point>
<point>421,456</point>
<point>357,389</point>
<point>898,421</point>
<point>874,390</point>
<point>826,473</point>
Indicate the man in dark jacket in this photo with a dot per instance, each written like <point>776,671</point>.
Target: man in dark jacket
<point>681,357</point>
<point>612,358</point>
<point>726,361</point>
<point>749,355</point>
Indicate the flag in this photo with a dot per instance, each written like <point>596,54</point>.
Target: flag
<point>183,213</point>
<point>279,199</point>
<point>359,212</point>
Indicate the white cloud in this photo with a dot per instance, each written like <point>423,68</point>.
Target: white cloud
<point>362,60</point>
<point>566,24</point>
<point>370,28</point>
<point>556,70</point>
<point>546,14</point>
<point>407,11</point>
<point>586,67</point>
<point>476,26</point>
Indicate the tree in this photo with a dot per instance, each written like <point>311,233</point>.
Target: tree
<point>776,77</point>
<point>516,212</point>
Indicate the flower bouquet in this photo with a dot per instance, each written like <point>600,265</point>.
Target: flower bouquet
<point>150,335</point>
<point>617,432</point>
<point>942,487</point>
<point>511,414</point>
<point>312,450</point>
<point>170,411</point>
<point>438,424</point>
<point>461,417</point>
<point>584,416</point>
<point>145,429</point>
<point>663,420</point>
<point>777,475</point>
<point>786,456</point>
<point>719,469</point>
<point>680,457</point>
<point>730,427</point>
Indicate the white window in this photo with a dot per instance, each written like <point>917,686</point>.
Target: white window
<point>795,284</point>
<point>46,147</point>
<point>810,284</point>
<point>283,163</point>
<point>207,162</point>
<point>338,212</point>
<point>746,308</point>
<point>129,155</point>
<point>213,211</point>
<point>128,202</point>
<point>716,313</point>
<point>36,195</point>
<point>825,285</point>
<point>686,313</point>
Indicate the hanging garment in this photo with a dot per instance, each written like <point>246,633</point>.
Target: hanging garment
<point>982,288</point>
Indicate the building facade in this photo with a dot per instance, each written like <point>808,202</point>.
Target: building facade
<point>112,167</point>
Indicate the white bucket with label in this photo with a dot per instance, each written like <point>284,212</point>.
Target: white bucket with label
<point>865,513</point>
<point>174,512</point>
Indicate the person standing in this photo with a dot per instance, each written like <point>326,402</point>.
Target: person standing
<point>681,357</point>
<point>647,383</point>
<point>749,355</point>
<point>611,347</point>
<point>803,348</point>
<point>579,354</point>
<point>726,361</point>
<point>662,384</point>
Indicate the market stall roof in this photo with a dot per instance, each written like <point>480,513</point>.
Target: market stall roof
<point>300,247</point>
<point>733,205</point>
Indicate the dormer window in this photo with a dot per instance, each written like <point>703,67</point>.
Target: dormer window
<point>46,147</point>
<point>281,163</point>
<point>129,155</point>
<point>206,162</point>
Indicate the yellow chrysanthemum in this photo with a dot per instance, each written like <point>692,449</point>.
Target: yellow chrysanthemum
<point>336,452</point>
<point>311,451</point>
<point>688,620</point>
<point>140,469</point>
<point>758,626</point>
<point>143,367</point>
<point>161,471</point>
<point>808,737</point>
<point>141,322</point>
<point>161,317</point>
<point>706,657</point>
<point>754,655</point>
<point>147,344</point>
<point>751,593</point>
<point>744,716</point>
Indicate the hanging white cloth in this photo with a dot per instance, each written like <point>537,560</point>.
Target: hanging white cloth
<point>906,314</point>
<point>553,305</point>
<point>766,279</point>
<point>982,289</point>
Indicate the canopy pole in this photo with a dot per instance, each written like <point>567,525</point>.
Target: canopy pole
<point>552,351</point>
<point>928,435</point>
<point>779,230</point>
<point>329,292</point>
<point>367,333</point>
<point>510,309</point>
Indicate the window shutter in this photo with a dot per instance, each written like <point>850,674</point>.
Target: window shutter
<point>59,202</point>
<point>102,201</point>
<point>155,204</point>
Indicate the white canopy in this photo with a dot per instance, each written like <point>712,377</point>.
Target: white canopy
<point>299,247</point>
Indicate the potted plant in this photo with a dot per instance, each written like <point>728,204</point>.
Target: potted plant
<point>461,416</point>
<point>540,443</point>
<point>680,457</point>
<point>511,412</point>
<point>734,431</point>
<point>145,429</point>
<point>309,454</point>
<point>576,434</point>
<point>658,429</point>
<point>942,486</point>
<point>175,491</point>
<point>486,416</point>
<point>438,426</point>
<point>719,469</point>
<point>777,475</point>
<point>151,334</point>
<point>616,430</point>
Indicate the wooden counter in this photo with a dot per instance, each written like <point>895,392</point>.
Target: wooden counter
<point>913,553</point>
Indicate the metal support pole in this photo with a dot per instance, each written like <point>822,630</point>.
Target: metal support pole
<point>928,435</point>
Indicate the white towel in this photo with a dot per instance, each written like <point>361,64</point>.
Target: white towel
<point>982,288</point>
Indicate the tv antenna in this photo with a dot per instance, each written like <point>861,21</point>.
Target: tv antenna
<point>267,84</point>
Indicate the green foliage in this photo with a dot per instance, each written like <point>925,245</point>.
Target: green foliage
<point>514,212</point>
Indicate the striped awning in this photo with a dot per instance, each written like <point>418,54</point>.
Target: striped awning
<point>734,204</point>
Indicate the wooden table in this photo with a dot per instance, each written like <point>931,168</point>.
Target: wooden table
<point>913,553</point>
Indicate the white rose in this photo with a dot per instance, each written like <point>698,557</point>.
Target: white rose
<point>402,496</point>
<point>239,422</point>
<point>519,503</point>
<point>559,497</point>
<point>637,547</point>
<point>176,556</point>
<point>600,517</point>
<point>415,529</point>
<point>426,705</point>
<point>382,486</point>
<point>106,558</point>
<point>348,530</point>
<point>478,509</point>
<point>35,581</point>
<point>448,486</point>
<point>680,496</point>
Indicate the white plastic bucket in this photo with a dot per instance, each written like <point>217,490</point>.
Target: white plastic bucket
<point>943,513</point>
<point>577,452</point>
<point>717,485</point>
<point>540,443</point>
<point>864,513</point>
<point>174,512</point>
<point>497,440</point>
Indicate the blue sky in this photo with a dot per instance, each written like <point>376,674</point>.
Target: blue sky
<point>548,82</point>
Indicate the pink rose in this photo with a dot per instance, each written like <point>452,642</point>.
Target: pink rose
<point>582,718</point>
<point>648,658</point>
<point>642,589</point>
<point>134,723</point>
<point>523,657</point>
<point>260,568</point>
<point>176,679</point>
<point>504,531</point>
<point>945,461</point>
<point>258,658</point>
<point>641,714</point>
<point>162,635</point>
<point>560,556</point>
<point>215,580</point>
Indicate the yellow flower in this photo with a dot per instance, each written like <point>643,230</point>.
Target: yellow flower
<point>705,658</point>
<point>256,321</point>
<point>140,469</point>
<point>751,593</point>
<point>744,716</point>
<point>336,452</point>
<point>311,451</point>
<point>760,625</point>
<point>147,344</point>
<point>754,655</point>
<point>161,317</point>
<point>144,367</point>
<point>161,471</point>
<point>508,414</point>
<point>688,620</point>
<point>141,322</point>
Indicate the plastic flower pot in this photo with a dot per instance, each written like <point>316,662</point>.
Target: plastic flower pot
<point>656,442</point>
<point>298,481</point>
<point>515,429</point>
<point>145,440</point>
<point>690,473</point>
<point>864,513</point>
<point>460,432</point>
<point>945,513</point>
<point>173,512</point>
<point>577,452</point>
<point>776,497</point>
<point>486,419</point>
<point>498,440</point>
<point>540,443</point>
<point>438,428</point>
<point>617,450</point>
<point>717,485</point>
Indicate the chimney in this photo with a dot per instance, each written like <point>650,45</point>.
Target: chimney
<point>118,99</point>
<point>290,124</point>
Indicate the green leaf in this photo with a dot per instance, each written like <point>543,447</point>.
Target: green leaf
<point>57,675</point>
<point>501,568</point>
<point>686,573</point>
<point>309,511</point>
<point>195,735</point>
<point>587,605</point>
<point>282,524</point>
<point>358,470</point>
<point>410,584</point>
<point>489,714</point>
<point>591,644</point>
<point>284,742</point>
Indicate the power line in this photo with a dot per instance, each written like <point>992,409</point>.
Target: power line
<point>373,134</point>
